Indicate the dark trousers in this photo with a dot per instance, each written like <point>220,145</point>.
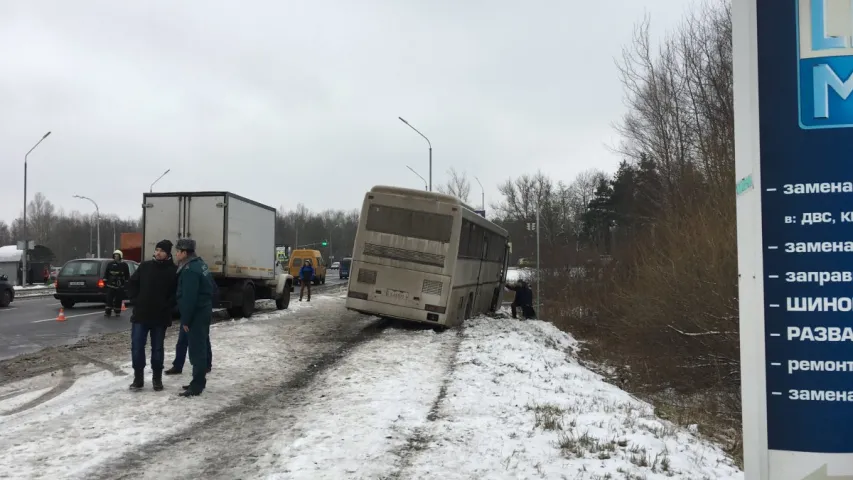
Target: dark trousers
<point>526,310</point>
<point>181,350</point>
<point>114,298</point>
<point>138,337</point>
<point>305,284</point>
<point>199,343</point>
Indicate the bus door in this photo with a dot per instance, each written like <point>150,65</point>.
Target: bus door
<point>483,256</point>
<point>496,296</point>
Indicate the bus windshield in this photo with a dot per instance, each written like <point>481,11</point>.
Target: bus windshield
<point>409,223</point>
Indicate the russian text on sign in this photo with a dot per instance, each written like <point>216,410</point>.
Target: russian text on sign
<point>818,247</point>
<point>820,366</point>
<point>811,188</point>
<point>819,304</point>
<point>820,395</point>
<point>820,278</point>
<point>820,334</point>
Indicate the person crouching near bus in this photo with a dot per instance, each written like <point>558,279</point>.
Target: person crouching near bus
<point>152,287</point>
<point>306,276</point>
<point>523,299</point>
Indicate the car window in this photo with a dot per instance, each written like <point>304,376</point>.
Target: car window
<point>297,262</point>
<point>81,268</point>
<point>318,261</point>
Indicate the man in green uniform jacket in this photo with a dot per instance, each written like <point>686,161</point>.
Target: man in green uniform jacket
<point>196,307</point>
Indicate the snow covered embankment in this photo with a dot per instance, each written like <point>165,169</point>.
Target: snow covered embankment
<point>519,405</point>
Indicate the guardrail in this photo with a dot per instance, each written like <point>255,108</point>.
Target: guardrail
<point>34,291</point>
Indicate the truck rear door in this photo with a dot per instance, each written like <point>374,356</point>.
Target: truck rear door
<point>162,221</point>
<point>205,223</point>
<point>199,217</point>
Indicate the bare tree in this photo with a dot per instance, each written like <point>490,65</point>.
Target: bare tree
<point>457,185</point>
<point>5,234</point>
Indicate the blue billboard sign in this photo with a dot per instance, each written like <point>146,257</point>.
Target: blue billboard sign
<point>807,220</point>
<point>795,235</point>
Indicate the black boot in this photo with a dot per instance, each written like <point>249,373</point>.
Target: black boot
<point>189,391</point>
<point>108,312</point>
<point>157,380</point>
<point>138,379</point>
<point>173,371</point>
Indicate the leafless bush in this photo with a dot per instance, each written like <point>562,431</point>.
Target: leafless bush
<point>662,308</point>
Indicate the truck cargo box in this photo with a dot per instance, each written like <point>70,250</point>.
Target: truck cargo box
<point>235,236</point>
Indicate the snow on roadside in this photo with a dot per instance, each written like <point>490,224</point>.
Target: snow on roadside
<point>98,418</point>
<point>520,406</point>
<point>360,412</point>
<point>32,287</point>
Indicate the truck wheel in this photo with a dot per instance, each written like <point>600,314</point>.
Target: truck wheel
<point>283,302</point>
<point>248,307</point>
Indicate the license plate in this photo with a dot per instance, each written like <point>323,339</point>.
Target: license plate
<point>398,294</point>
<point>76,284</point>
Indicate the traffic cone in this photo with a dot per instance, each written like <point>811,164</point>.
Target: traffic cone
<point>123,306</point>
<point>61,316</point>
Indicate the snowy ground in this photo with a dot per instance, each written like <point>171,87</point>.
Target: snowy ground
<point>498,399</point>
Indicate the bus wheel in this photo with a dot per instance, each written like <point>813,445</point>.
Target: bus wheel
<point>439,329</point>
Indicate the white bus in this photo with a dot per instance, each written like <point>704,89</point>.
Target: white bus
<point>425,257</point>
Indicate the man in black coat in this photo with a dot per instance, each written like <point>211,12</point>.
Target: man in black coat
<point>523,299</point>
<point>153,288</point>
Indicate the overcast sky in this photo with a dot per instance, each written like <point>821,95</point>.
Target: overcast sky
<point>254,96</point>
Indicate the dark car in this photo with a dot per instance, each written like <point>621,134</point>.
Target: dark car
<point>344,268</point>
<point>82,281</point>
<point>7,291</point>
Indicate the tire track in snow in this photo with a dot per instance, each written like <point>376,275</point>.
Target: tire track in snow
<point>65,382</point>
<point>419,440</point>
<point>231,422</point>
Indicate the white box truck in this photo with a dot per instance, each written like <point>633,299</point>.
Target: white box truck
<point>235,236</point>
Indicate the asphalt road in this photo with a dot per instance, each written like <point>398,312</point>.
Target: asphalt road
<point>29,324</point>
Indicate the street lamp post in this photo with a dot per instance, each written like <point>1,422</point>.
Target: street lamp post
<point>151,188</point>
<point>531,227</point>
<point>26,242</point>
<point>430,150</point>
<point>98,222</point>
<point>483,195</point>
<point>419,175</point>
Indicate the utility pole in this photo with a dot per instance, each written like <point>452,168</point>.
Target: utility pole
<point>151,188</point>
<point>26,241</point>
<point>97,220</point>
<point>538,272</point>
<point>419,175</point>
<point>483,195</point>
<point>430,149</point>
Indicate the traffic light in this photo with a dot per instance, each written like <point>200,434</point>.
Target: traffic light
<point>325,243</point>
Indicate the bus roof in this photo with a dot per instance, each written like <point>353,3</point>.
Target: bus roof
<point>410,192</point>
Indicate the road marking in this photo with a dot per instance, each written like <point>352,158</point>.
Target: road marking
<point>67,317</point>
<point>9,308</point>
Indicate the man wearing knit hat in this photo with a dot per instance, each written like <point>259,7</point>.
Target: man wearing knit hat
<point>195,304</point>
<point>153,287</point>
